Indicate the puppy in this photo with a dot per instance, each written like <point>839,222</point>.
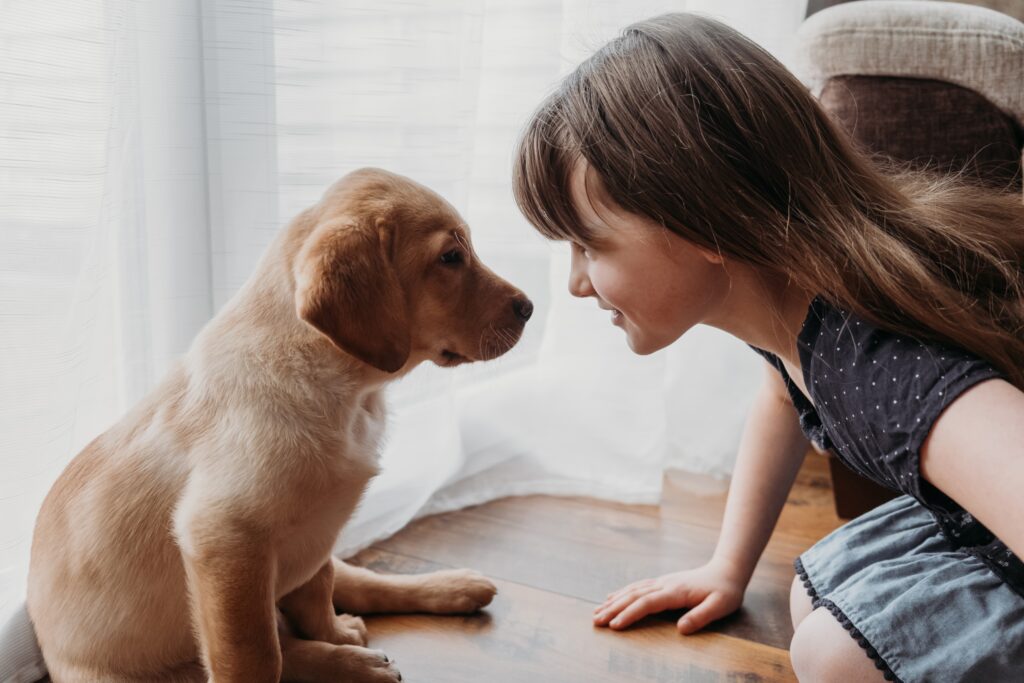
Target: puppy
<point>192,540</point>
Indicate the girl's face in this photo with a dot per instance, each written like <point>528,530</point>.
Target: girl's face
<point>655,284</point>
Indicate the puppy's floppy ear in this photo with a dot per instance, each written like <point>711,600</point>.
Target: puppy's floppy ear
<point>347,288</point>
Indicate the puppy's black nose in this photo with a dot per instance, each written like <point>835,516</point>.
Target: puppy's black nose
<point>523,308</point>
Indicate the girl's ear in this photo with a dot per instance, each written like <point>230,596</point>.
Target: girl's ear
<point>710,256</point>
<point>347,288</point>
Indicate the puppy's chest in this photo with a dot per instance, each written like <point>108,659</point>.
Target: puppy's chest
<point>365,433</point>
<point>329,499</point>
<point>307,534</point>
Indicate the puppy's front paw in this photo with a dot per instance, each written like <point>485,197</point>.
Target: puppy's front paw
<point>349,630</point>
<point>361,665</point>
<point>459,591</point>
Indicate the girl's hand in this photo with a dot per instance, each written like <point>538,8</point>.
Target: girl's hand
<point>711,592</point>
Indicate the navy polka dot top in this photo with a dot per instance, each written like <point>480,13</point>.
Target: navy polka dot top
<point>875,397</point>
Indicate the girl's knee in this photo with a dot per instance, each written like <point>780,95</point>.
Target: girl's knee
<point>799,602</point>
<point>822,651</point>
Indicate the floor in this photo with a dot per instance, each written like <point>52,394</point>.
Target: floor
<point>554,559</point>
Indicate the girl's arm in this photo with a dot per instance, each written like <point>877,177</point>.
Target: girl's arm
<point>771,451</point>
<point>974,454</point>
<point>770,454</point>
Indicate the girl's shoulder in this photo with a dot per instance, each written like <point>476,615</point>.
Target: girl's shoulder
<point>878,392</point>
<point>840,349</point>
<point>870,385</point>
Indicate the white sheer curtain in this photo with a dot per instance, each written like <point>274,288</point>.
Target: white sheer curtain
<point>150,150</point>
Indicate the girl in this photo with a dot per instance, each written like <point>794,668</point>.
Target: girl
<point>697,181</point>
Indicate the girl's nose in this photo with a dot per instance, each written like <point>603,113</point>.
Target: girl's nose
<point>580,288</point>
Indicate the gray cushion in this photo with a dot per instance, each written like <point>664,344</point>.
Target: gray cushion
<point>974,47</point>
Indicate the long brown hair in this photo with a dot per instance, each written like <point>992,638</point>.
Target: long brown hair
<point>691,124</point>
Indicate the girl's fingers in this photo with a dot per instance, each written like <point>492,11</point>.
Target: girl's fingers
<point>608,612</point>
<point>648,604</point>
<point>628,589</point>
<point>701,615</point>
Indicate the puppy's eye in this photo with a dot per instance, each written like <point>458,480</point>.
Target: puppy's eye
<point>451,258</point>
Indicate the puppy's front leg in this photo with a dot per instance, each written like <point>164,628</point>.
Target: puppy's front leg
<point>309,610</point>
<point>230,583</point>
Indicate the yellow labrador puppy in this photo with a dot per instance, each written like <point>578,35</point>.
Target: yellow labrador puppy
<point>192,540</point>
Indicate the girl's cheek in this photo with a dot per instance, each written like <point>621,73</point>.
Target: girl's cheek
<point>606,283</point>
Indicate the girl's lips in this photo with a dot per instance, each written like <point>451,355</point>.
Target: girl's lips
<point>617,317</point>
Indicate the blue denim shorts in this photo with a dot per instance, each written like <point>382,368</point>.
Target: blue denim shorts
<point>922,608</point>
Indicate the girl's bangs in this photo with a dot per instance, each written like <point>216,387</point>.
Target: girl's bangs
<point>542,174</point>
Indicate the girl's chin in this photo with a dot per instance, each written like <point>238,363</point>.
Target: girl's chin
<point>639,342</point>
<point>636,342</point>
<point>644,345</point>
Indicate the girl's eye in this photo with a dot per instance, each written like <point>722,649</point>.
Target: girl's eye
<point>451,258</point>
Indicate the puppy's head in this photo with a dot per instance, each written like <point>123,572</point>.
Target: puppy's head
<point>388,273</point>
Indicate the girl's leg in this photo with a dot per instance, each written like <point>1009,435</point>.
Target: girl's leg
<point>799,602</point>
<point>823,651</point>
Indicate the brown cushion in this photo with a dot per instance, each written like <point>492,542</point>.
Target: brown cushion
<point>930,123</point>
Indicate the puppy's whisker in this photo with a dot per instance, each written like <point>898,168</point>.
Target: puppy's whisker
<point>485,339</point>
